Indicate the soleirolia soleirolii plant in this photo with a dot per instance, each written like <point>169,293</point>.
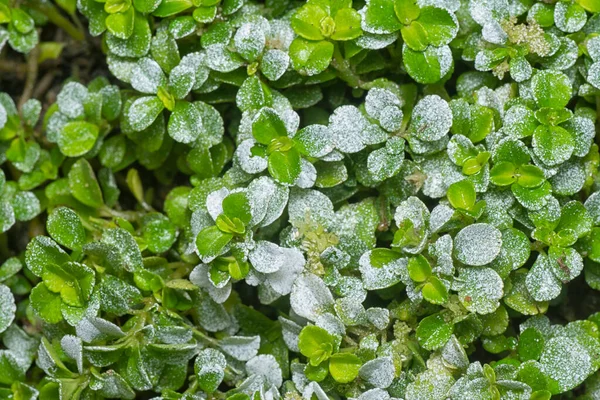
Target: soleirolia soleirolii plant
<point>281,199</point>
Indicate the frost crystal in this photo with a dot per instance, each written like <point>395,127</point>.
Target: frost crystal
<point>431,118</point>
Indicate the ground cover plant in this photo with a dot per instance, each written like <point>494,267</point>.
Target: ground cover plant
<point>323,199</point>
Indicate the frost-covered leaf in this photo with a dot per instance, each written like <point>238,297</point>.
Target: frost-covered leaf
<point>477,244</point>
<point>379,372</point>
<point>479,289</point>
<point>310,297</point>
<point>351,131</point>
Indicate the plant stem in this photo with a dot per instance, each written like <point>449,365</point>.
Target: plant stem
<point>345,72</point>
<point>32,73</point>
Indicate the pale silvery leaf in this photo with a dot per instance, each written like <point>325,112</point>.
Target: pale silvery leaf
<point>477,244</point>
<point>441,249</point>
<point>73,348</point>
<point>200,277</point>
<point>246,160</point>
<point>3,116</point>
<point>566,361</point>
<point>266,366</point>
<point>274,64</point>
<point>479,289</point>
<point>267,200</point>
<point>351,131</point>
<point>214,202</point>
<point>440,215</point>
<point>283,279</point>
<point>121,68</point>
<point>592,205</point>
<point>7,307</point>
<point>379,278</point>
<point>430,385</point>
<point>147,77</point>
<point>332,324</point>
<point>379,372</point>
<point>431,118</point>
<point>454,355</point>
<point>310,297</point>
<point>541,282</point>
<point>241,348</point>
<point>93,328</point>
<point>308,175</point>
<point>308,203</point>
<point>312,390</point>
<point>267,257</point>
<point>70,99</point>
<point>568,17</point>
<point>290,331</point>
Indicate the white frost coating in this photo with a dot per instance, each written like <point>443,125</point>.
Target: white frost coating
<point>431,118</point>
<point>312,390</point>
<point>492,32</point>
<point>594,75</point>
<point>569,17</point>
<point>331,323</point>
<point>214,202</point>
<point>377,99</point>
<point>440,215</point>
<point>379,372</point>
<point>479,289</point>
<point>441,172</point>
<point>429,385</point>
<point>316,140</point>
<point>290,331</point>
<point>121,68</point>
<point>442,251</point>
<point>454,355</point>
<point>247,161</point>
<point>274,64</point>
<point>310,203</point>
<point>380,278</point>
<point>267,257</point>
<point>73,348</point>
<point>266,366</point>
<point>593,48</point>
<point>70,99</point>
<point>375,42</point>
<point>92,328</point>
<point>3,116</point>
<point>592,204</point>
<point>310,297</point>
<point>566,361</point>
<point>477,244</point>
<point>283,280</point>
<point>379,317</point>
<point>7,307</point>
<point>351,131</point>
<point>249,40</point>
<point>200,277</point>
<point>308,175</point>
<point>541,282</point>
<point>241,348</point>
<point>147,76</point>
<point>211,361</point>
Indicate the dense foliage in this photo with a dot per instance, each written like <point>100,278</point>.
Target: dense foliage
<point>323,199</point>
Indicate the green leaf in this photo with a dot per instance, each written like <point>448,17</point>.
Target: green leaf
<point>434,291</point>
<point>415,36</point>
<point>306,21</point>
<point>441,28</point>
<point>267,126</point>
<point>144,111</point>
<point>380,16</point>
<point>42,251</point>
<point>172,7</point>
<point>590,5</point>
<point>433,332</point>
<point>158,232</point>
<point>77,138</point>
<point>284,166</point>
<point>551,89</point>
<point>427,66</point>
<point>46,304</point>
<point>344,367</point>
<point>419,268</point>
<point>65,227</point>
<point>210,367</point>
<point>253,95</point>
<point>83,184</point>
<point>530,176</point>
<point>310,58</point>
<point>73,281</point>
<point>316,344</point>
<point>185,123</point>
<point>347,25</point>
<point>531,344</point>
<point>407,10</point>
<point>462,195</point>
<point>552,144</point>
<point>210,242</point>
<point>121,24</point>
<point>237,205</point>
